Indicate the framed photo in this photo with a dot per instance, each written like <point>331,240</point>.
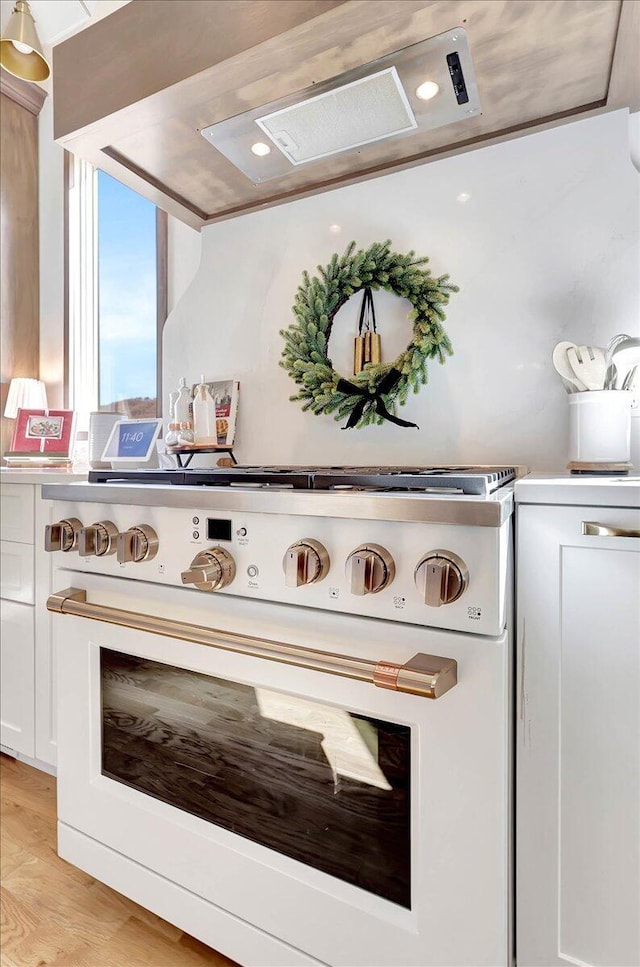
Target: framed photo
<point>132,441</point>
<point>43,432</point>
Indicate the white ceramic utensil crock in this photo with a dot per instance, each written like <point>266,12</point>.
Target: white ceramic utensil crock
<point>600,426</point>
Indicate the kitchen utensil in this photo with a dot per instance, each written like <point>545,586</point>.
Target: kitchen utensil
<point>562,366</point>
<point>632,379</point>
<point>613,343</point>
<point>589,363</point>
<point>610,377</point>
<point>612,370</point>
<point>625,355</point>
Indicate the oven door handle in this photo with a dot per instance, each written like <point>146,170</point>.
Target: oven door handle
<point>426,675</point>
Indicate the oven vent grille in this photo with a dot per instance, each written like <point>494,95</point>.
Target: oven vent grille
<point>347,117</point>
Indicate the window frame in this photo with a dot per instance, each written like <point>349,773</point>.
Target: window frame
<point>162,288</point>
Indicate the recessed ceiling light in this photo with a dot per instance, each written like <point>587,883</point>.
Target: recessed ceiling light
<point>261,149</point>
<point>463,197</point>
<point>427,90</point>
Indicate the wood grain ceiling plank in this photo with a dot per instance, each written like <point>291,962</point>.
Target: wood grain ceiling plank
<point>530,64</point>
<point>147,46</point>
<point>535,60</point>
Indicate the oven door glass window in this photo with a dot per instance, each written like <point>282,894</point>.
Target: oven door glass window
<point>320,784</point>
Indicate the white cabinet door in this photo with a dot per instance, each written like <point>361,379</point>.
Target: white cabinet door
<point>16,512</point>
<point>17,571</point>
<point>17,722</point>
<point>578,753</point>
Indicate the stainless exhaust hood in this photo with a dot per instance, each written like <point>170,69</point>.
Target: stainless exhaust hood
<point>426,85</point>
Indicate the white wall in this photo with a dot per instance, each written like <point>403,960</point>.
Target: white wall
<point>545,248</point>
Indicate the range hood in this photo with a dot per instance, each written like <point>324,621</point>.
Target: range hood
<point>421,87</point>
<point>326,87</point>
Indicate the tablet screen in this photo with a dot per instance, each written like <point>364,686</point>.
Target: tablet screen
<point>132,440</point>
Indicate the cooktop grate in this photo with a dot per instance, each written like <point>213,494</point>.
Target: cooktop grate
<point>471,481</point>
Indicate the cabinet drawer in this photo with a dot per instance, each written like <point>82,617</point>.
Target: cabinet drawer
<point>17,718</point>
<point>17,513</point>
<point>16,572</point>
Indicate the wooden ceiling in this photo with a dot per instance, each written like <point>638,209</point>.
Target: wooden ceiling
<point>132,92</point>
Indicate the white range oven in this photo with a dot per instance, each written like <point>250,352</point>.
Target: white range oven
<point>285,707</point>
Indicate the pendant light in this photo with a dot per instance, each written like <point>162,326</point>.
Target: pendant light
<point>20,49</point>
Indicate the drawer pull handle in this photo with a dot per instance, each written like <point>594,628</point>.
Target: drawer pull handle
<point>426,675</point>
<point>590,528</point>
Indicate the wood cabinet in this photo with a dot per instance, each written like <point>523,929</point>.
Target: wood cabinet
<point>578,730</point>
<point>20,105</point>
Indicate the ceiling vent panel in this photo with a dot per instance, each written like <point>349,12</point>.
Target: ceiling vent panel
<point>375,102</point>
<point>347,117</point>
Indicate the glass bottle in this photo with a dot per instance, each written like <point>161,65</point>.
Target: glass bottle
<point>182,410</point>
<point>171,437</point>
<point>204,416</point>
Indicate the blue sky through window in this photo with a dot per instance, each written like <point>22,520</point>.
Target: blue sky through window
<point>127,292</point>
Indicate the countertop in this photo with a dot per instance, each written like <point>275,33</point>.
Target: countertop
<point>15,475</point>
<point>565,488</point>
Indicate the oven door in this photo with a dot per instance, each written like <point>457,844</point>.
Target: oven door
<point>356,824</point>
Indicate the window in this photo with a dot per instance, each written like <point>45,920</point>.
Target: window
<point>116,295</point>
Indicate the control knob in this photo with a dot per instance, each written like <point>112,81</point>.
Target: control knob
<point>139,543</point>
<point>370,568</point>
<point>441,578</point>
<point>211,570</point>
<point>305,562</point>
<point>99,539</point>
<point>63,535</point>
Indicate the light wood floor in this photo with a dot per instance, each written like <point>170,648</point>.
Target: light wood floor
<point>53,914</point>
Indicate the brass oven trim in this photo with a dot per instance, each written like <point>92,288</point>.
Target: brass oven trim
<point>428,676</point>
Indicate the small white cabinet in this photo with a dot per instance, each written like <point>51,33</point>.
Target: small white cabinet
<point>27,666</point>
<point>17,640</point>
<point>578,725</point>
<point>17,719</point>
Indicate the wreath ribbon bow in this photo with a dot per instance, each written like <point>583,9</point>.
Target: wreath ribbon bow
<point>368,399</point>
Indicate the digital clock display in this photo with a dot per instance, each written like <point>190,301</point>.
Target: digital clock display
<point>132,440</point>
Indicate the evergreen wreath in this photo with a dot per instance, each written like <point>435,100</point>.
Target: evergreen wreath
<point>372,395</point>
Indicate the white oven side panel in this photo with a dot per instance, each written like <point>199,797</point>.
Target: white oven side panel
<point>460,782</point>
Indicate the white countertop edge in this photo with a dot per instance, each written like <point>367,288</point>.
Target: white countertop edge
<point>581,490</point>
<point>35,475</point>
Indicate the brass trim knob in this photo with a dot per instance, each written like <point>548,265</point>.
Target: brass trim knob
<point>370,569</point>
<point>441,577</point>
<point>211,570</point>
<point>63,535</point>
<point>305,562</point>
<point>98,539</point>
<point>139,543</point>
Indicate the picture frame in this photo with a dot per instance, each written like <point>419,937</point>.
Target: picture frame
<point>43,435</point>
